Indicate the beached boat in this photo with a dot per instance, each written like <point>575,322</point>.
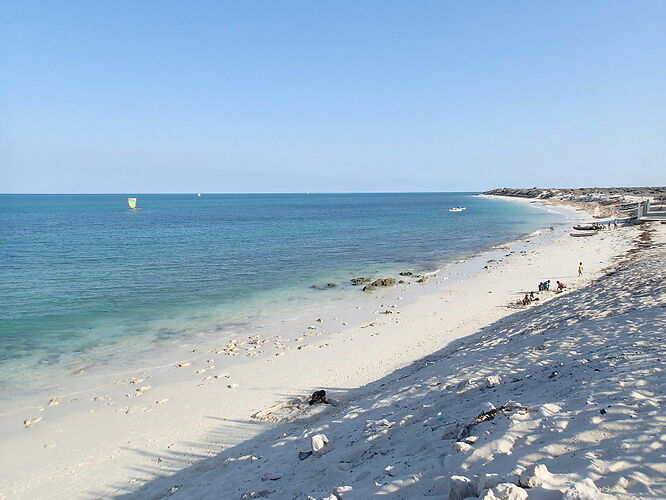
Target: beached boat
<point>587,227</point>
<point>132,203</point>
<point>457,209</point>
<point>584,233</point>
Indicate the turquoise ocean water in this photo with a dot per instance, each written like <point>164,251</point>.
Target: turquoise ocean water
<point>83,277</point>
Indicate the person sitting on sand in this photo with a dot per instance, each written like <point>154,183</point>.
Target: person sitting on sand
<point>318,397</point>
<point>546,285</point>
<point>526,300</point>
<point>560,286</point>
<point>532,297</point>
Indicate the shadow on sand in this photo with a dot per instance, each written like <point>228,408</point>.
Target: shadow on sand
<point>593,349</point>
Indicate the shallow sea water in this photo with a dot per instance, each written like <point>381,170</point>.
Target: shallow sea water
<point>85,279</point>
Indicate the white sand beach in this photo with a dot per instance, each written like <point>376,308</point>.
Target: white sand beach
<point>446,382</point>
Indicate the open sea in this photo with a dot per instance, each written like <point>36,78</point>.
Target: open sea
<point>83,278</point>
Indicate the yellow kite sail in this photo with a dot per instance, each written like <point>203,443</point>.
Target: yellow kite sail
<point>132,203</point>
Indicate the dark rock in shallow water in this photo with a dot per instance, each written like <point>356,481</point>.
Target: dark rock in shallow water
<point>322,287</point>
<point>384,282</point>
<point>358,281</point>
<point>369,288</point>
<point>405,273</point>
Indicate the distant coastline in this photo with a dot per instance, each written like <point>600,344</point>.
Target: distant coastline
<point>582,194</point>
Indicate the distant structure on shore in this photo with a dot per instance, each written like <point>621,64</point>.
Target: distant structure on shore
<point>650,213</point>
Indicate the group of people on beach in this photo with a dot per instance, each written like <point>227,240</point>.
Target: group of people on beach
<point>605,225</point>
<point>529,297</point>
<point>544,286</point>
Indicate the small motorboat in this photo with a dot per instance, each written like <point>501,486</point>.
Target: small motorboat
<point>587,227</point>
<point>457,209</point>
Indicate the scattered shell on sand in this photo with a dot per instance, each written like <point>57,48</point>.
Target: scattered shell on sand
<point>183,365</point>
<point>31,421</point>
<point>55,401</point>
<point>462,447</point>
<point>318,441</point>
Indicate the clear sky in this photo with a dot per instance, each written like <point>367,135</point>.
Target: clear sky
<point>294,96</point>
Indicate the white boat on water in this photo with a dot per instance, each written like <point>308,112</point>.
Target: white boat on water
<point>199,195</point>
<point>457,209</point>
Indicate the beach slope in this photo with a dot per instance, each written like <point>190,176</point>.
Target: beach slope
<point>559,400</point>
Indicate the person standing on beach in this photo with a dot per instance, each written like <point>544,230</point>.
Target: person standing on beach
<point>580,269</point>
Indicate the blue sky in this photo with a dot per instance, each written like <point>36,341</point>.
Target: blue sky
<point>265,96</point>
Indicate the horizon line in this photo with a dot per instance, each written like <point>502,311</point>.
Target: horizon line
<point>312,192</point>
<point>237,192</point>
